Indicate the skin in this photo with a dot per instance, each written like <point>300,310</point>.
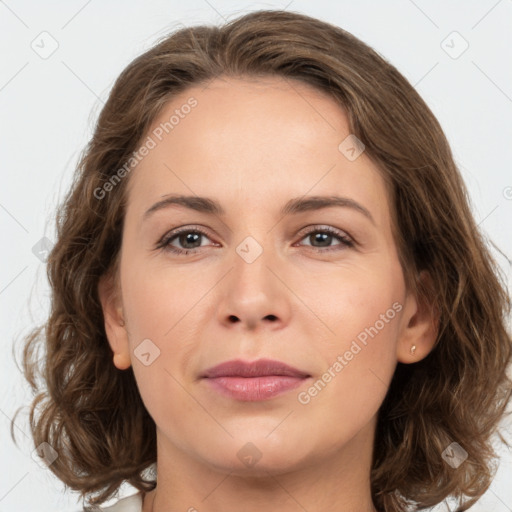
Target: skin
<point>252,146</point>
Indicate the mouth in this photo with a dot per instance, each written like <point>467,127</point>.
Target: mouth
<point>259,368</point>
<point>254,381</point>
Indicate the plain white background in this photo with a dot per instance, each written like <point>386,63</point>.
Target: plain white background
<point>49,103</point>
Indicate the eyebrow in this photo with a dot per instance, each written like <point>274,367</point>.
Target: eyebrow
<point>293,206</point>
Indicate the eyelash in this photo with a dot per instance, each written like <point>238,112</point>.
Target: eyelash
<point>164,242</point>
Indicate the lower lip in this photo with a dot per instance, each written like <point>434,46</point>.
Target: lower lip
<point>252,389</point>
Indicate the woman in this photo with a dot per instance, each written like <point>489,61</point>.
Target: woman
<point>268,287</point>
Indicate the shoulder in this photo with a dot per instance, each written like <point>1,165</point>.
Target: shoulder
<point>131,503</point>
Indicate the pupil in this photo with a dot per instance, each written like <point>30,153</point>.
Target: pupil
<point>189,238</point>
<point>323,237</point>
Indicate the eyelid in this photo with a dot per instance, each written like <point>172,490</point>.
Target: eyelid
<point>173,233</point>
<point>312,228</point>
<point>346,240</point>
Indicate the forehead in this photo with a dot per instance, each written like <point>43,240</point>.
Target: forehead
<point>260,140</point>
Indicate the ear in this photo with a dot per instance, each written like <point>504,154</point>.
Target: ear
<point>115,328</point>
<point>420,324</point>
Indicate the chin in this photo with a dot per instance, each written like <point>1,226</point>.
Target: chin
<point>257,458</point>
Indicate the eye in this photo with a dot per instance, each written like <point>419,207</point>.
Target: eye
<point>189,238</point>
<point>325,235</point>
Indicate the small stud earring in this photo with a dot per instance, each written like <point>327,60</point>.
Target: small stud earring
<point>413,349</point>
<point>121,322</point>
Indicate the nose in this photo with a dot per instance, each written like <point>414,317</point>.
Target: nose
<point>253,294</point>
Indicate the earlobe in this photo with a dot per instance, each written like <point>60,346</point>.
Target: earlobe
<point>420,324</point>
<point>122,360</point>
<point>115,328</point>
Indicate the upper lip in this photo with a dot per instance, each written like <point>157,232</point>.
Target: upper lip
<point>259,368</point>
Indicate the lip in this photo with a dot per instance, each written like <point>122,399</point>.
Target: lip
<point>259,368</point>
<point>253,381</point>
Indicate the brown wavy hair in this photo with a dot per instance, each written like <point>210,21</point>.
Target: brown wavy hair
<point>92,414</point>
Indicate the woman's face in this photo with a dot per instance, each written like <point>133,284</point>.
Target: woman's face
<point>263,279</point>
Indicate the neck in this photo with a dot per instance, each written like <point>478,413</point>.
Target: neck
<point>337,481</point>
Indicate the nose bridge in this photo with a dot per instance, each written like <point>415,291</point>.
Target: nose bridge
<point>251,274</point>
<point>255,250</point>
<point>252,292</point>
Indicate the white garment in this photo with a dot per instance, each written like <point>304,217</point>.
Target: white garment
<point>131,503</point>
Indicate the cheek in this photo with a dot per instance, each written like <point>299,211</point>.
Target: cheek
<point>360,310</point>
<point>354,301</point>
<point>155,299</point>
<point>156,307</point>
<point>358,365</point>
